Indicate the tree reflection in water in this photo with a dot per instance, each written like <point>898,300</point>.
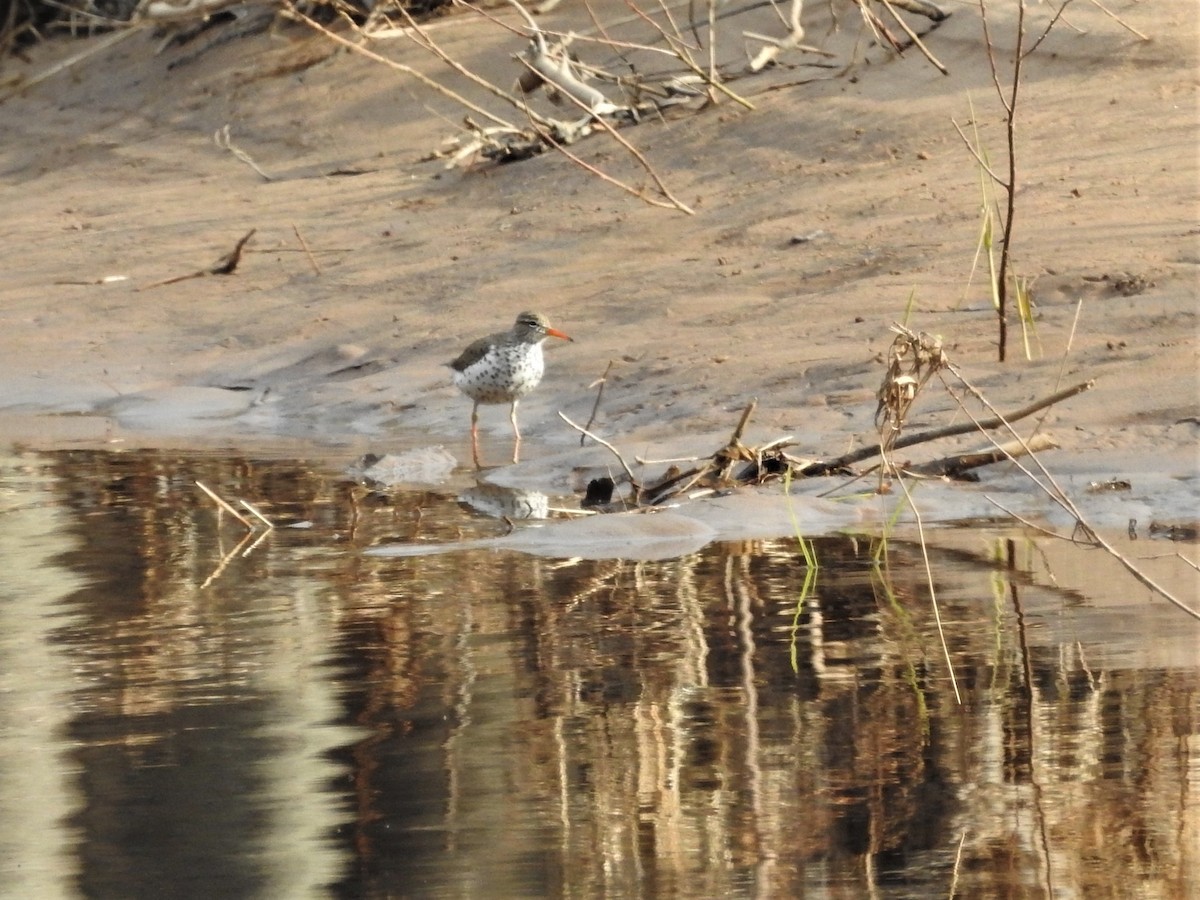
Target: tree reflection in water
<point>492,724</point>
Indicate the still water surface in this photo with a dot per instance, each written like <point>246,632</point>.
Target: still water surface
<point>183,715</point>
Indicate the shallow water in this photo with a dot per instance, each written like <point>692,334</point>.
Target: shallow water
<point>188,713</point>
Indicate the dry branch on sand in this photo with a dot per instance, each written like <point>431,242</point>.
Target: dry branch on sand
<point>226,265</point>
<point>610,95</point>
<point>736,464</point>
<point>913,360</point>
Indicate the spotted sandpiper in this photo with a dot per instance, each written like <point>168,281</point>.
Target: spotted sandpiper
<point>503,368</point>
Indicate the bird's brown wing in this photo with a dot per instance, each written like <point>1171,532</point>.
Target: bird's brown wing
<point>474,353</point>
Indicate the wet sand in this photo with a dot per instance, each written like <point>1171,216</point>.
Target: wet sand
<point>114,183</point>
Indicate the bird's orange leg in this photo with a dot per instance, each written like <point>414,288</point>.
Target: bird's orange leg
<point>512,416</point>
<point>475,435</point>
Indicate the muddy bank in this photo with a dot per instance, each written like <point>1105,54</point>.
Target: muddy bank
<point>111,170</point>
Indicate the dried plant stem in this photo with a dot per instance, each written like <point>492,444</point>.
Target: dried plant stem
<point>1062,366</point>
<point>226,265</point>
<point>714,76</point>
<point>1112,15</point>
<point>428,43</point>
<point>109,40</point>
<point>258,515</point>
<point>1026,522</point>
<point>1008,95</point>
<point>983,163</point>
<point>222,140</point>
<point>1049,26</point>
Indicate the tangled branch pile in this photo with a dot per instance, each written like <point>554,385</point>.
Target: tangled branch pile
<point>600,77</point>
<point>913,360</point>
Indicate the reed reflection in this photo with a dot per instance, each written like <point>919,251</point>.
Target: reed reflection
<point>640,728</point>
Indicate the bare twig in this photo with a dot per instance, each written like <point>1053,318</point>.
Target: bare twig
<point>637,488</point>
<point>915,38</point>
<point>1026,522</point>
<point>292,13</point>
<point>1062,366</point>
<point>1010,193</point>
<point>880,31</point>
<point>991,56</point>
<point>548,138</point>
<point>258,515</point>
<point>428,43</point>
<point>228,263</point>
<point>673,202</point>
<point>312,260</point>
<point>1049,26</point>
<point>983,163</point>
<point>1108,12</point>
<point>681,51</point>
<point>646,461</point>
<point>91,50</point>
<point>601,381</point>
<point>714,76</point>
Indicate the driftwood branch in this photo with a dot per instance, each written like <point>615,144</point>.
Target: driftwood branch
<point>823,467</point>
<point>718,469</point>
<point>959,464</point>
<point>791,41</point>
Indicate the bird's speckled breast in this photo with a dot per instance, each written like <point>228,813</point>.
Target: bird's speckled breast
<point>503,374</point>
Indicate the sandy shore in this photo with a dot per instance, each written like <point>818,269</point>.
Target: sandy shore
<point>113,183</point>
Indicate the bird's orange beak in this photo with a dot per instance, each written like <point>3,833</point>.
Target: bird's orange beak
<point>554,332</point>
